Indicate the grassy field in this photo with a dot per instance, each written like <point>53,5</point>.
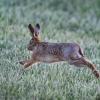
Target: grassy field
<point>61,21</point>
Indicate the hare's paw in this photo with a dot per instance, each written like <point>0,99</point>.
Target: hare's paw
<point>97,73</point>
<point>22,62</point>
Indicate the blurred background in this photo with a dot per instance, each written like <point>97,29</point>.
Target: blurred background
<point>82,16</point>
<point>61,21</point>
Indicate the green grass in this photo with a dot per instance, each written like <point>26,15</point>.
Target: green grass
<point>61,21</point>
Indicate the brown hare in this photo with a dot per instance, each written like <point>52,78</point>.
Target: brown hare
<point>55,52</point>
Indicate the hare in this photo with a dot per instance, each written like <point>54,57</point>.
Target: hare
<point>55,52</point>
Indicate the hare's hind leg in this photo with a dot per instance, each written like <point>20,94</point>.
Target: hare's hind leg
<point>84,61</point>
<point>27,63</point>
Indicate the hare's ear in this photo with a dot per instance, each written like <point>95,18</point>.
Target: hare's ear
<point>37,30</point>
<point>37,26</point>
<point>31,29</point>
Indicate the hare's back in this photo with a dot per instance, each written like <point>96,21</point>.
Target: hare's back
<point>60,46</point>
<point>49,52</point>
<point>56,48</point>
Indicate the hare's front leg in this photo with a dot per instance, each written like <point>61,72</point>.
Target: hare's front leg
<point>27,63</point>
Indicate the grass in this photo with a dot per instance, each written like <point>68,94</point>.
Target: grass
<point>61,21</point>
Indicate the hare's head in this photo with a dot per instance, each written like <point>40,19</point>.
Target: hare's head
<point>35,34</point>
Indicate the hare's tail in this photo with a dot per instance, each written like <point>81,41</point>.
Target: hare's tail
<point>81,52</point>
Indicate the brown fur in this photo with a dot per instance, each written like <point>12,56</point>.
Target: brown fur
<point>55,52</point>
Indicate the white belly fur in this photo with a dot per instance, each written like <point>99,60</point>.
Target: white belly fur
<point>48,59</point>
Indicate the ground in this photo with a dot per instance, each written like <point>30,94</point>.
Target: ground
<point>61,21</point>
